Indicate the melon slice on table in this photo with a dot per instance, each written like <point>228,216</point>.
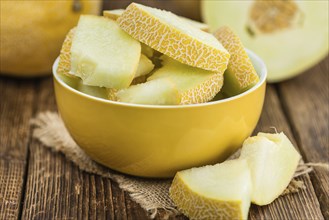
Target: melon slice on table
<point>115,14</point>
<point>221,191</point>
<point>195,85</point>
<point>174,37</point>
<point>273,161</point>
<point>156,92</point>
<point>99,53</point>
<point>290,36</point>
<point>240,74</point>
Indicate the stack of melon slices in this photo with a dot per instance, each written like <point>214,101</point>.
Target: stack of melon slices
<point>144,55</point>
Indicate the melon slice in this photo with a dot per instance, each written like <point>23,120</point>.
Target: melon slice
<point>273,161</point>
<point>145,66</point>
<point>290,36</point>
<point>99,53</point>
<point>172,36</point>
<point>221,191</point>
<point>115,14</point>
<point>96,91</point>
<point>195,85</point>
<point>240,74</point>
<point>155,92</point>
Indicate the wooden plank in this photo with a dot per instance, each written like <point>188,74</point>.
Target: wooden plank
<point>16,108</point>
<point>57,189</point>
<point>306,101</point>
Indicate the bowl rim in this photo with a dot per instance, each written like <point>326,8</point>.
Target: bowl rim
<point>262,73</point>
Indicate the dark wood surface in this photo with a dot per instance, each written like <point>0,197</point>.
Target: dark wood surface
<point>36,183</point>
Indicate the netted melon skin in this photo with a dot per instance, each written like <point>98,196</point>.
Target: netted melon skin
<point>170,41</point>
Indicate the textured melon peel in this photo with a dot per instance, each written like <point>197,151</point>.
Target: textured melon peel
<point>240,74</point>
<point>115,14</point>
<point>195,85</point>
<point>273,161</point>
<point>170,35</point>
<point>99,53</point>
<point>221,191</point>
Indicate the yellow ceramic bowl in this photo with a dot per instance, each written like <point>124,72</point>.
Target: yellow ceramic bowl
<point>158,141</point>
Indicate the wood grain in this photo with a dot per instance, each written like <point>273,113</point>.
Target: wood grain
<point>16,108</point>
<point>306,102</point>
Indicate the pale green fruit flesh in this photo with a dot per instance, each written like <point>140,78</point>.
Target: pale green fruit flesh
<point>286,51</point>
<point>145,66</point>
<point>194,84</point>
<point>70,80</point>
<point>95,91</point>
<point>99,53</point>
<point>221,191</point>
<point>273,161</point>
<point>155,92</point>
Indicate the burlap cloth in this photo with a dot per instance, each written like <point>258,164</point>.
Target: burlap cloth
<point>151,194</point>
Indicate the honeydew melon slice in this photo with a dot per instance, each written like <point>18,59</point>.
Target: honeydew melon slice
<point>145,66</point>
<point>172,36</point>
<point>155,92</point>
<point>273,161</point>
<point>115,14</point>
<point>195,85</point>
<point>95,91</point>
<point>99,53</point>
<point>240,74</point>
<point>221,191</point>
<point>290,36</point>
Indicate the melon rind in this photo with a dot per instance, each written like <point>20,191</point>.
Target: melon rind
<point>170,35</point>
<point>240,74</point>
<point>195,85</point>
<point>221,191</point>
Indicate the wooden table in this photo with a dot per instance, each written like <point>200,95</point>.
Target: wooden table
<point>36,183</point>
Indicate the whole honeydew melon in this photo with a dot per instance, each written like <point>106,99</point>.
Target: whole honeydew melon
<point>33,31</point>
<point>290,36</point>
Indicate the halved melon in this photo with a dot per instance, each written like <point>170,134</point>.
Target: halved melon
<point>195,85</point>
<point>240,74</point>
<point>273,161</point>
<point>102,54</point>
<point>290,36</point>
<point>155,92</point>
<point>174,37</point>
<point>221,191</point>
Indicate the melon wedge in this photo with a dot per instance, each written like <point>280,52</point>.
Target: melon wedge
<point>273,161</point>
<point>172,36</point>
<point>155,92</point>
<point>240,74</point>
<point>290,36</point>
<point>95,91</point>
<point>221,191</point>
<point>145,66</point>
<point>115,14</point>
<point>99,53</point>
<point>195,85</point>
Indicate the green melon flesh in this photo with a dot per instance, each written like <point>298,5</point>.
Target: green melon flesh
<point>102,54</point>
<point>273,161</point>
<point>145,66</point>
<point>155,92</point>
<point>99,92</point>
<point>286,52</point>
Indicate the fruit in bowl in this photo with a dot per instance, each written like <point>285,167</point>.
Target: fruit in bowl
<point>159,74</point>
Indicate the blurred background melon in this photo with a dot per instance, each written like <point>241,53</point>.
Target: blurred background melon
<point>32,32</point>
<point>289,35</point>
